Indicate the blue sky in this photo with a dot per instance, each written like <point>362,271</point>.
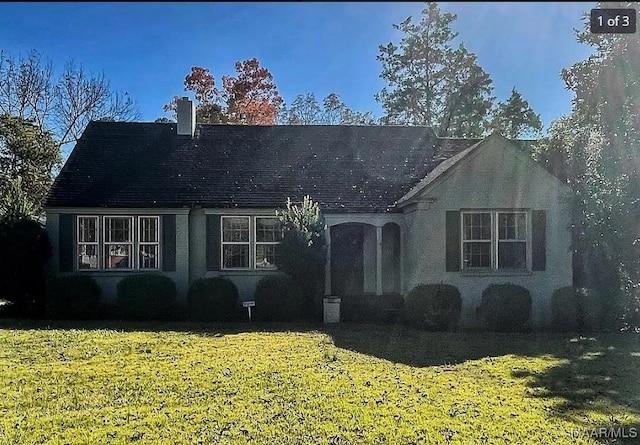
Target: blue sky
<point>147,49</point>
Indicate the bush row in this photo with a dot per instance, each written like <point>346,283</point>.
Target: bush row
<point>150,296</point>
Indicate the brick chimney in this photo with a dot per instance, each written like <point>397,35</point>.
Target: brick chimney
<point>186,111</point>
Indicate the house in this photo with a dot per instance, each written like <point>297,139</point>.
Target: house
<point>402,206</point>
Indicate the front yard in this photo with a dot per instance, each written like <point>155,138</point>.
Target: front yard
<point>300,384</point>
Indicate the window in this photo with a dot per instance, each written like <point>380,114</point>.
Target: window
<point>126,242</point>
<point>476,240</point>
<point>87,242</point>
<point>148,242</point>
<point>118,242</point>
<point>235,242</point>
<point>512,240</point>
<point>249,242</point>
<point>494,240</point>
<point>268,235</point>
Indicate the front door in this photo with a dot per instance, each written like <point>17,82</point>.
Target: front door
<point>347,271</point>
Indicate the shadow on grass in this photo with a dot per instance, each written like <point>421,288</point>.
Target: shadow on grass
<point>598,375</point>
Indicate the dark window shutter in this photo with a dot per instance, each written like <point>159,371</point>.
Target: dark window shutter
<point>66,242</point>
<point>169,243</point>
<point>539,240</point>
<point>453,241</point>
<point>213,242</point>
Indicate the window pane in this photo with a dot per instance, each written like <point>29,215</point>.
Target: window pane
<point>148,230</point>
<point>512,255</point>
<point>265,256</point>
<point>477,254</point>
<point>512,226</point>
<point>118,230</point>
<point>235,255</point>
<point>477,226</point>
<point>87,230</point>
<point>117,256</point>
<point>235,229</point>
<point>268,230</point>
<point>148,256</point>
<point>87,256</point>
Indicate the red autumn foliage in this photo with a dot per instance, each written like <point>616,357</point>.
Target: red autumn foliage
<point>251,97</point>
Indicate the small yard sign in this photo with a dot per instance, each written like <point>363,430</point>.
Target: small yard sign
<point>249,305</point>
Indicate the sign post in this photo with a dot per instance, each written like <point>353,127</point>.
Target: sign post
<point>249,305</point>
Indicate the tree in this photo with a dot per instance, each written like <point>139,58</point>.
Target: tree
<point>26,249</point>
<point>305,110</point>
<point>164,120</point>
<point>301,253</point>
<point>64,104</point>
<point>515,118</point>
<point>597,148</point>
<point>251,97</point>
<point>468,99</point>
<point>430,83</point>
<point>28,159</point>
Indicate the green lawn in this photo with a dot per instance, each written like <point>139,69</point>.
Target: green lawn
<point>302,384</point>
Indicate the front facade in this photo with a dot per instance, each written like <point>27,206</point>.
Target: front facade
<point>402,208</point>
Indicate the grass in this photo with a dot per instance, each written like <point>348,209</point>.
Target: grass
<point>299,384</point>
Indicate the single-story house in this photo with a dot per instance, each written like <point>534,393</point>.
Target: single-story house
<point>402,207</point>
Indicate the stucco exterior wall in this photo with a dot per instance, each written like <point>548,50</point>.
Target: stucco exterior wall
<point>493,177</point>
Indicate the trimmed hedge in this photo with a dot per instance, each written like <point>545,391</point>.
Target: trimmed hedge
<point>212,299</point>
<point>576,309</point>
<point>434,307</point>
<point>146,296</point>
<point>371,308</point>
<point>73,297</point>
<point>277,299</point>
<point>505,307</point>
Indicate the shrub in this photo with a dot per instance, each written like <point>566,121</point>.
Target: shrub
<point>146,296</point>
<point>301,253</point>
<point>369,308</point>
<point>434,307</point>
<point>576,309</point>
<point>73,297</point>
<point>212,299</point>
<point>505,307</point>
<point>25,248</point>
<point>277,299</point>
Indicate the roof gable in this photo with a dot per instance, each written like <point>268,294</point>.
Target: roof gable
<point>449,166</point>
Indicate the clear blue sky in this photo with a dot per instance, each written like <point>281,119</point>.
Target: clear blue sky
<point>147,49</point>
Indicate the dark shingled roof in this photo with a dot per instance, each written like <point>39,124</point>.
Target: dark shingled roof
<point>344,168</point>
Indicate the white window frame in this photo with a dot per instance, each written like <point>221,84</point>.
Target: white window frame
<point>131,244</point>
<point>141,243</point>
<point>224,243</point>
<point>262,243</point>
<point>95,243</point>
<point>516,240</point>
<point>469,241</point>
<point>495,241</point>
